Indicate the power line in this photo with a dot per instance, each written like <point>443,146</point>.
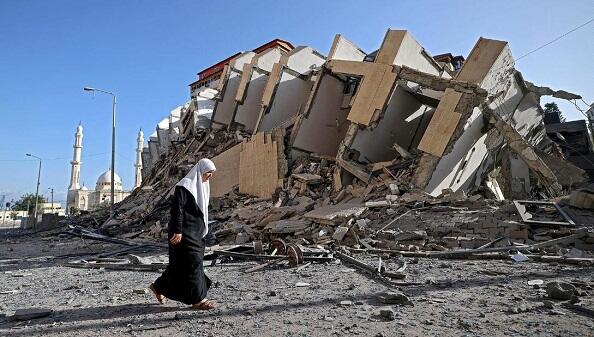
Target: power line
<point>556,39</point>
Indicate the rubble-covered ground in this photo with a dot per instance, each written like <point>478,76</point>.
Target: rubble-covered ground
<point>455,298</point>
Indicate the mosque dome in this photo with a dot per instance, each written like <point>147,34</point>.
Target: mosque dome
<point>104,181</point>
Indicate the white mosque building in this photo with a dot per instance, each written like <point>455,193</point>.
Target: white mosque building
<point>80,198</point>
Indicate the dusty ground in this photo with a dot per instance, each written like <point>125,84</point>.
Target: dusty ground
<point>458,298</point>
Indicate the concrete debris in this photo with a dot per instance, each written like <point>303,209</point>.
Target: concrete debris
<point>388,314</point>
<point>394,297</point>
<point>333,214</point>
<point>389,153</point>
<point>560,290</point>
<point>545,91</point>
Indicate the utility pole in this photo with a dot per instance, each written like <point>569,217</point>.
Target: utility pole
<point>5,208</point>
<point>2,203</point>
<point>28,206</point>
<point>52,193</point>
<point>36,192</point>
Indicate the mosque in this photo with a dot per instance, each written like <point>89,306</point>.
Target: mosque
<point>80,198</point>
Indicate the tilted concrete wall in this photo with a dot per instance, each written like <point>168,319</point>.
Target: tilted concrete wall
<point>291,89</point>
<point>247,112</point>
<point>323,125</point>
<point>224,106</point>
<point>375,144</point>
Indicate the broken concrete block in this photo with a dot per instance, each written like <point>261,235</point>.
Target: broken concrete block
<point>393,297</point>
<point>410,235</point>
<point>392,198</point>
<point>560,290</point>
<point>307,178</point>
<point>242,238</point>
<point>388,313</point>
<point>361,224</point>
<point>380,203</point>
<point>287,226</point>
<point>331,213</point>
<point>582,199</point>
<point>135,259</point>
<point>339,233</point>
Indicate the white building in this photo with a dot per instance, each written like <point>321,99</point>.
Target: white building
<point>80,197</point>
<point>12,219</point>
<point>51,208</point>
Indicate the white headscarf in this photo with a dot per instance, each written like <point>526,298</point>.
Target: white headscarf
<point>199,189</point>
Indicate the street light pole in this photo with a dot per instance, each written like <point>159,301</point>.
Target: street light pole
<point>113,132</point>
<point>36,191</point>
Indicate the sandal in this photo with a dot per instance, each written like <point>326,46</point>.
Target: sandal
<point>160,297</point>
<point>204,305</point>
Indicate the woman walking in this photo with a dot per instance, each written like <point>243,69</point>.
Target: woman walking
<point>184,279</point>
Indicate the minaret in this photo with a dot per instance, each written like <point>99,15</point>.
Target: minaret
<point>75,171</point>
<point>138,165</point>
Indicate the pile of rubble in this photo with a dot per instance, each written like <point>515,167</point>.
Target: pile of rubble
<point>391,151</point>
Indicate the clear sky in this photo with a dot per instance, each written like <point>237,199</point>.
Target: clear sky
<point>147,52</point>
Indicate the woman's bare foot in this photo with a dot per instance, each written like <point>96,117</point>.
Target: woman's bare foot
<point>204,305</point>
<point>160,297</point>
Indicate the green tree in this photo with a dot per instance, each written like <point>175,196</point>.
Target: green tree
<point>27,199</point>
<point>553,108</point>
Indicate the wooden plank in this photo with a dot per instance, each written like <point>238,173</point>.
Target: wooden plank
<point>227,175</point>
<point>390,46</point>
<point>442,125</point>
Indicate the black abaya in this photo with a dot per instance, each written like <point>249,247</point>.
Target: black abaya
<point>184,279</point>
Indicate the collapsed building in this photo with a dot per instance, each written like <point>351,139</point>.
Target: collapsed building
<point>299,137</point>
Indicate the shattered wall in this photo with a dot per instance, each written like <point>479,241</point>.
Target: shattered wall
<point>229,82</point>
<point>287,87</point>
<point>322,124</point>
<point>253,82</point>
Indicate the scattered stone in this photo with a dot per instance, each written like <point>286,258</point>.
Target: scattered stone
<point>560,290</point>
<point>346,303</point>
<point>273,293</point>
<point>388,314</point>
<point>339,233</point>
<point>140,291</point>
<point>302,284</point>
<point>135,259</point>
<point>548,304</point>
<point>393,297</point>
<point>535,282</point>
